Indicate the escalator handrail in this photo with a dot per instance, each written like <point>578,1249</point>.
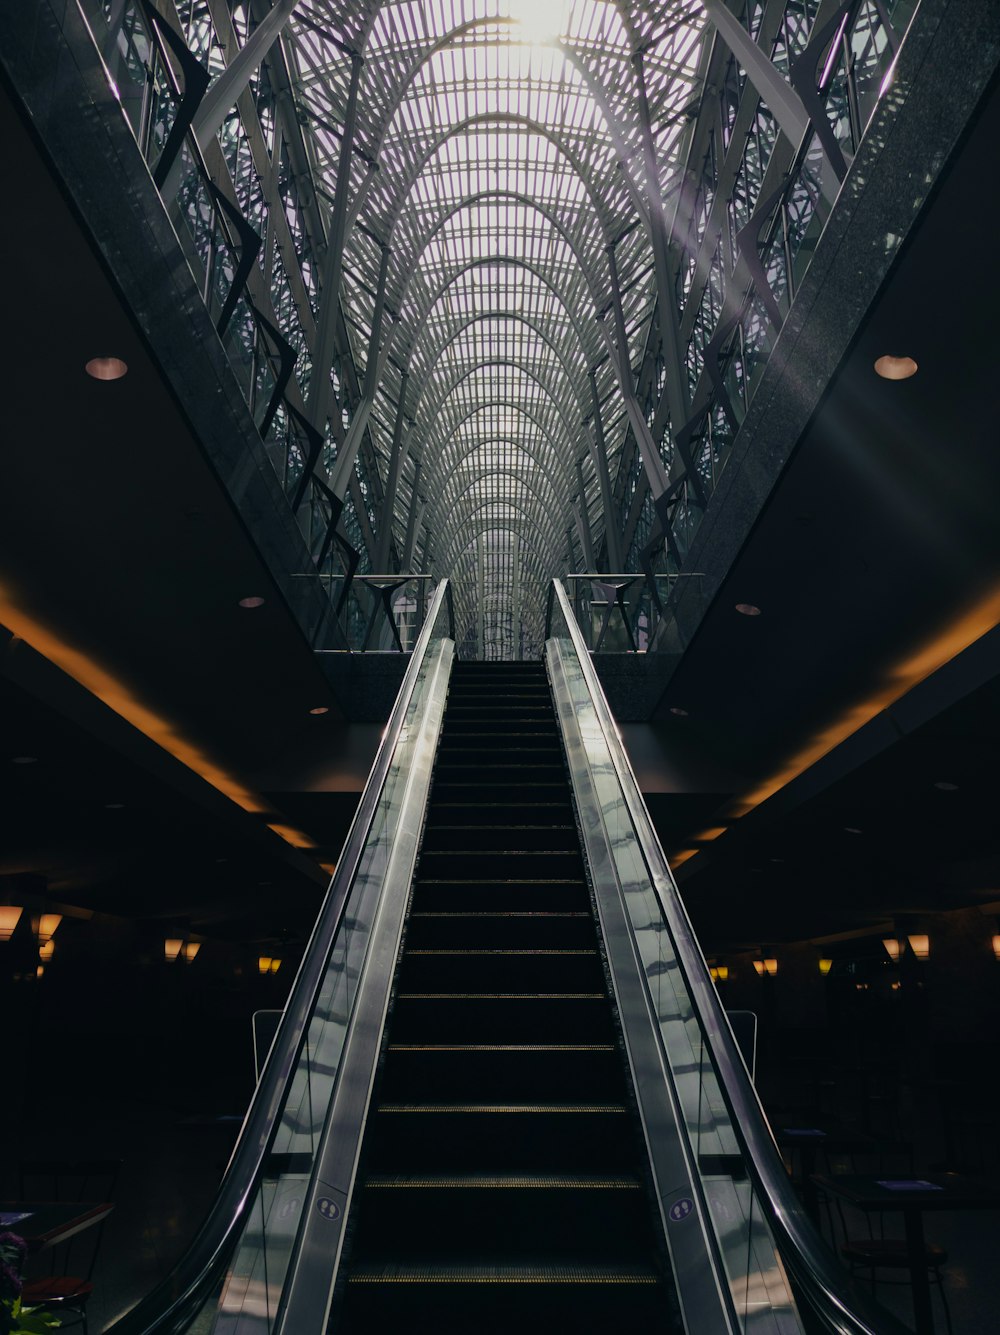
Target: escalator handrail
<point>178,1297</point>
<point>813,1266</point>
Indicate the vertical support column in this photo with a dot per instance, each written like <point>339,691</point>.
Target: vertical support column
<point>422,585</point>
<point>582,522</point>
<point>340,474</point>
<point>415,516</point>
<point>515,624</point>
<point>391,484</point>
<point>318,405</point>
<point>648,448</point>
<point>611,525</point>
<point>675,385</point>
<point>481,584</point>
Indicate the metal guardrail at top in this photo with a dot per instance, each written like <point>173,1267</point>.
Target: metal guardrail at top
<point>377,613</point>
<point>177,1300</point>
<point>634,595</point>
<point>817,1274</point>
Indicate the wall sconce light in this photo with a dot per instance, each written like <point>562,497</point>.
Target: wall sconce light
<point>723,971</point>
<point>920,945</point>
<point>9,917</point>
<point>275,965</point>
<point>46,951</point>
<point>893,948</point>
<point>264,964</point>
<point>825,966</point>
<point>759,968</point>
<point>770,967</point>
<point>713,973</point>
<point>190,950</point>
<point>47,925</point>
<point>995,943</point>
<point>172,948</point>
<point>39,971</point>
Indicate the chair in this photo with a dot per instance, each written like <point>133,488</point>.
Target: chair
<point>68,1288</point>
<point>873,1254</point>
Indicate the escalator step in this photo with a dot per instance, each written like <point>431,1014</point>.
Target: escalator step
<point>439,836</point>
<point>497,1137</point>
<point>498,1186</point>
<point>388,1272</point>
<point>503,1016</point>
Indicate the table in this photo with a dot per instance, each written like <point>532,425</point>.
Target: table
<point>807,1138</point>
<point>52,1222</point>
<point>911,1197</point>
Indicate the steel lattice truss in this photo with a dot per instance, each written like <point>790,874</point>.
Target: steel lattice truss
<point>498,152</point>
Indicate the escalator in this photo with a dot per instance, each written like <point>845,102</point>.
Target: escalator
<point>503,1089</point>
<point>501,1172</point>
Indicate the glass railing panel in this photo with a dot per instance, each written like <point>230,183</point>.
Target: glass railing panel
<point>233,1278</point>
<point>761,1296</point>
<point>254,1287</point>
<point>759,1230</point>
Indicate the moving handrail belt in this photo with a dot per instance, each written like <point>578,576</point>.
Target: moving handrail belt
<point>818,1277</point>
<point>173,1304</point>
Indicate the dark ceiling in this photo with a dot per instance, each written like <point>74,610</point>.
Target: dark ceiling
<point>881,534</point>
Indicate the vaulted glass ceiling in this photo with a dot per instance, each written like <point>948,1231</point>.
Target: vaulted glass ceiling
<point>498,151</point>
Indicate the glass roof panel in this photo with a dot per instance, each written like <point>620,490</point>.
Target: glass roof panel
<point>498,153</point>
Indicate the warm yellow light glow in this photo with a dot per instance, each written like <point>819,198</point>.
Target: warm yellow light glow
<point>759,967</point>
<point>46,951</point>
<point>191,949</point>
<point>172,948</point>
<point>893,948</point>
<point>275,965</point>
<point>968,627</point>
<point>119,698</point>
<point>47,925</point>
<point>39,971</point>
<point>895,368</point>
<point>723,972</point>
<point>264,963</point>
<point>920,944</point>
<point>106,368</point>
<point>825,966</point>
<point>996,946</point>
<point>713,971</point>
<point>770,967</point>
<point>9,918</point>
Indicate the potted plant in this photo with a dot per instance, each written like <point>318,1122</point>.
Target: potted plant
<point>15,1319</point>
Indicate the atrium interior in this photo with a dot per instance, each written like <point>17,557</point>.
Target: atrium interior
<point>658,334</point>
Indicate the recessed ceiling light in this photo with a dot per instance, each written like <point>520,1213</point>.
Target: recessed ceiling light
<point>748,609</point>
<point>24,760</point>
<point>320,709</point>
<point>676,709</point>
<point>895,368</point>
<point>106,368</point>
<point>945,787</point>
<point>253,601</point>
<point>852,829</point>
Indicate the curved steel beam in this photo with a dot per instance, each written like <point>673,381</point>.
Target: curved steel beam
<point>593,87</point>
